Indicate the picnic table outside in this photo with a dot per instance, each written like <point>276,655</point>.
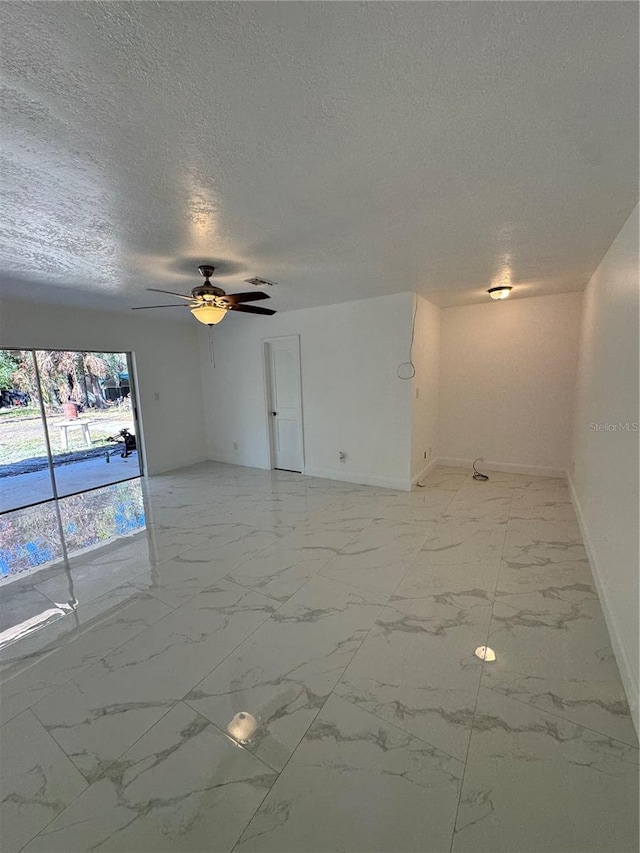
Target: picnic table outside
<point>77,423</point>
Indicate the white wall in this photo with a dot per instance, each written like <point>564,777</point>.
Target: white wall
<point>166,360</point>
<point>508,381</point>
<point>352,398</point>
<point>426,387</point>
<point>604,473</point>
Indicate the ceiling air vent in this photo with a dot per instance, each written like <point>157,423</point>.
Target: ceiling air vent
<point>259,282</point>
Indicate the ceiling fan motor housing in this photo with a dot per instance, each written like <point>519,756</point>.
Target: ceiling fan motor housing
<point>205,290</point>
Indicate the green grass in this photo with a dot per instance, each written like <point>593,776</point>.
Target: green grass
<point>23,438</point>
<point>19,412</point>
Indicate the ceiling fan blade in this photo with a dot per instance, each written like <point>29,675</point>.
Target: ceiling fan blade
<point>250,309</point>
<point>171,293</point>
<point>175,305</point>
<point>246,297</point>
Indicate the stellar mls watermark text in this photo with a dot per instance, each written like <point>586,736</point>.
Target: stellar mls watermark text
<point>620,426</point>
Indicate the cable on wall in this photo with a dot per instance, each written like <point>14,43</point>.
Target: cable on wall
<point>410,370</point>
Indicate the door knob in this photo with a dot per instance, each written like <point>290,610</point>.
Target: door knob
<point>274,414</point>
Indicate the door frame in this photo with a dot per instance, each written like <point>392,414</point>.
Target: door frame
<point>268,401</point>
<point>135,410</point>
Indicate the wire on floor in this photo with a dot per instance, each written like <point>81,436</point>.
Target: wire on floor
<point>478,475</point>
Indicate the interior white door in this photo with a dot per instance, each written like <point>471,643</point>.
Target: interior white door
<point>285,400</point>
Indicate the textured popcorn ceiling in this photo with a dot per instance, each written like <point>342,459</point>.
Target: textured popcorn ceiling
<point>344,150</point>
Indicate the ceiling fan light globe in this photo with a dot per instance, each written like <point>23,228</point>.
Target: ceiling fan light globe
<point>210,315</point>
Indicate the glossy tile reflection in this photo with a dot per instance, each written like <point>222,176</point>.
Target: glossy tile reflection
<point>250,660</point>
<point>29,538</point>
<point>36,536</point>
<point>183,786</point>
<point>40,544</point>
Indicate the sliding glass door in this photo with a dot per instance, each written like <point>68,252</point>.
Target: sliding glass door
<point>25,475</point>
<point>67,424</point>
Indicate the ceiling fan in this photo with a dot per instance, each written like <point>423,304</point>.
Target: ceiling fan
<point>209,304</point>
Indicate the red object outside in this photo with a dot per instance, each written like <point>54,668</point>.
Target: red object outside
<point>70,411</point>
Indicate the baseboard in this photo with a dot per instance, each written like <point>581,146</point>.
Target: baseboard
<point>627,674</point>
<point>396,483</point>
<point>197,460</point>
<point>428,468</point>
<point>331,474</point>
<point>232,459</point>
<point>504,467</point>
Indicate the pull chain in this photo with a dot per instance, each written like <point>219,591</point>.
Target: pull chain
<point>212,356</point>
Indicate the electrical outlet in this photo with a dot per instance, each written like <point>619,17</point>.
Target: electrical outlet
<point>235,445</point>
<point>342,456</point>
<point>156,395</point>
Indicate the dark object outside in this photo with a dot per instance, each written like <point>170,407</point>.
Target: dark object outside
<point>129,442</point>
<point>9,399</point>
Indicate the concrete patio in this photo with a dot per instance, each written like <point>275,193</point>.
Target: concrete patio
<point>25,489</point>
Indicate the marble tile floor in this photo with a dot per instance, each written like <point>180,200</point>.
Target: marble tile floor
<point>343,618</point>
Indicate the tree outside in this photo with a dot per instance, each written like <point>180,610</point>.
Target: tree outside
<point>65,376</point>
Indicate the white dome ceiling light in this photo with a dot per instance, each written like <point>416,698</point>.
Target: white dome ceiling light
<point>499,292</point>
